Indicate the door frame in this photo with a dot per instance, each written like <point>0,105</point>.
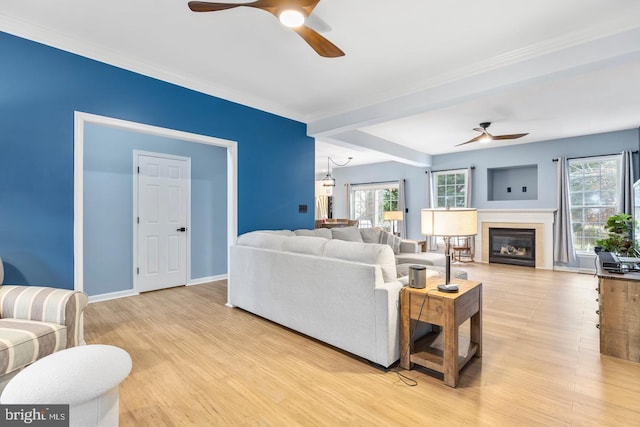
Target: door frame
<point>136,229</point>
<point>82,118</point>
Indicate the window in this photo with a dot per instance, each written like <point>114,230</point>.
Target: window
<point>593,197</point>
<point>370,201</point>
<point>450,188</point>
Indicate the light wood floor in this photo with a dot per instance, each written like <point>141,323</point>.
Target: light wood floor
<point>197,362</point>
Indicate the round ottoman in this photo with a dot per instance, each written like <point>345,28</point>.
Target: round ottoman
<point>84,377</point>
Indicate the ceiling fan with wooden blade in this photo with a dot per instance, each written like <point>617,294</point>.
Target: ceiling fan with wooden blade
<point>291,13</point>
<point>485,136</point>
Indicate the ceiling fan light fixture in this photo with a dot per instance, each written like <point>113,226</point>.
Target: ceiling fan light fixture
<point>291,18</point>
<point>486,138</point>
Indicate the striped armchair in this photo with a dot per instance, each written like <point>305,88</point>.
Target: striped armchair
<point>35,322</point>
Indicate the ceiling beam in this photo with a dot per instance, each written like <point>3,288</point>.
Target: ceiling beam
<point>393,151</point>
<point>519,69</point>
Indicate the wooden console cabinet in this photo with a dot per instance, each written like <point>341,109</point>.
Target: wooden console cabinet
<point>619,310</point>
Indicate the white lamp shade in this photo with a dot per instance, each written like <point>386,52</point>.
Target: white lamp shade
<point>393,216</point>
<point>449,222</point>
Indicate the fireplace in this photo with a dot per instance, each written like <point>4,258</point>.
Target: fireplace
<point>516,246</point>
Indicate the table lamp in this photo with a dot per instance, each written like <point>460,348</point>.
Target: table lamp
<point>393,216</point>
<point>449,222</point>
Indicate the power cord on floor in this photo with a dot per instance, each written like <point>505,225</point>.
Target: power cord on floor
<point>411,382</point>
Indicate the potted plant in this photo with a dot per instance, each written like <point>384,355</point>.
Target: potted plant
<point>619,238</point>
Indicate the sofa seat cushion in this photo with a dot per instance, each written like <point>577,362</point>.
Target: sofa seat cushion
<point>367,253</point>
<point>24,341</point>
<point>432,270</point>
<point>424,258</point>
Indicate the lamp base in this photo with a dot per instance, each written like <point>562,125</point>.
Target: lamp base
<point>451,288</point>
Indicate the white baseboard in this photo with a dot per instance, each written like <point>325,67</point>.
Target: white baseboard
<point>203,280</point>
<point>131,292</point>
<point>112,295</point>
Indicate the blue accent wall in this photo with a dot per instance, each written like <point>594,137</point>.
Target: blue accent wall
<point>108,205</point>
<point>41,87</point>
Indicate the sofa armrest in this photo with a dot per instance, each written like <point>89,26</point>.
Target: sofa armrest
<point>60,306</point>
<point>409,247</point>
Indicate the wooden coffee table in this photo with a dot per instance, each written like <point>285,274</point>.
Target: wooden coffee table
<point>439,350</point>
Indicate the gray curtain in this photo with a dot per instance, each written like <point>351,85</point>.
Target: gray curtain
<point>402,206</point>
<point>468,188</point>
<point>563,251</point>
<point>625,202</point>
<point>347,188</point>
<point>467,204</point>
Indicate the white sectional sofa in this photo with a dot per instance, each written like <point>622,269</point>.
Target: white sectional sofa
<point>340,292</point>
<point>327,286</point>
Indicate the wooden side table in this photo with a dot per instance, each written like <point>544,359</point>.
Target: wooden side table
<point>448,310</point>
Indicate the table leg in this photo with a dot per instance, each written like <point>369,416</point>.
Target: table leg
<point>450,353</point>
<point>476,326</point>
<point>406,346</point>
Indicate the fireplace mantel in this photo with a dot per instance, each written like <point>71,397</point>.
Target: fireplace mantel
<point>539,219</point>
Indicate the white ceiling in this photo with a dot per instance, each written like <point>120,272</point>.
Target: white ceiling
<point>417,76</point>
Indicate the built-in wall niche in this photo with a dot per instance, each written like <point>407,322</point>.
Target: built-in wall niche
<point>513,183</point>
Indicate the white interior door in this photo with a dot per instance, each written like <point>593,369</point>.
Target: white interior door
<point>163,201</point>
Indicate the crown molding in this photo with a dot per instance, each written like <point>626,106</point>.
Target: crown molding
<point>535,63</point>
<point>622,31</point>
<point>115,58</point>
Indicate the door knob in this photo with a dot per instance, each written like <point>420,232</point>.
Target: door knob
<point>183,229</point>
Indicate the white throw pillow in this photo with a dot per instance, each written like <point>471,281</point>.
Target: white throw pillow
<point>350,234</point>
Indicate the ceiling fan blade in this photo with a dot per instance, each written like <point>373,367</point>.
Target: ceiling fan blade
<point>317,24</point>
<point>477,138</point>
<point>513,136</point>
<point>268,5</point>
<point>479,130</point>
<point>203,6</point>
<point>322,46</point>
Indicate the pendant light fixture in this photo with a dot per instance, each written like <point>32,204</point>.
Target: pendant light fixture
<point>330,181</point>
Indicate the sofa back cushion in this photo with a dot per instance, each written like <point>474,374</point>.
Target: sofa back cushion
<point>370,235</point>
<point>318,232</point>
<point>350,234</point>
<point>260,239</point>
<point>367,253</point>
<point>305,245</point>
